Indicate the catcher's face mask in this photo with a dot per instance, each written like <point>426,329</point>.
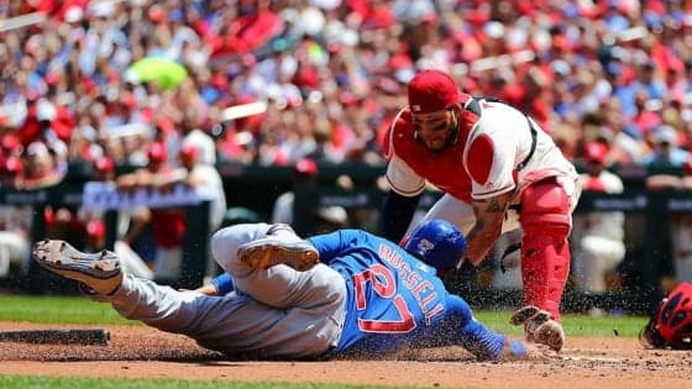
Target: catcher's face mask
<point>671,325</point>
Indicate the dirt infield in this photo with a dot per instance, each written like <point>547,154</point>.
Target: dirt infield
<point>140,352</point>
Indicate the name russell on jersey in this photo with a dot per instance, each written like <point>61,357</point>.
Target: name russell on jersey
<point>421,289</point>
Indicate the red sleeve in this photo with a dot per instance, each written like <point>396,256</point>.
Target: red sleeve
<point>398,123</point>
<point>382,135</point>
<point>480,158</point>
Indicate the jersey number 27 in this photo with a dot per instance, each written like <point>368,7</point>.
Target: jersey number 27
<point>384,286</point>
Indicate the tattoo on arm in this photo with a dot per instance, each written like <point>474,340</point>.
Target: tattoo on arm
<point>494,207</point>
<point>489,216</point>
<point>480,223</point>
<point>491,206</point>
<point>480,207</point>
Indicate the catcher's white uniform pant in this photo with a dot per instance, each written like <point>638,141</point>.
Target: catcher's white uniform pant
<point>461,214</point>
<point>277,312</point>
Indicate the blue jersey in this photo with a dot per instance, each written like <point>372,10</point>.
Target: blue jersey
<point>394,300</point>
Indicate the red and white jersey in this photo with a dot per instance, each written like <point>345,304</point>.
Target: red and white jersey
<point>485,160</point>
<point>411,164</point>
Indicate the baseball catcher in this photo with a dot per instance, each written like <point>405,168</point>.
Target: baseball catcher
<point>493,162</point>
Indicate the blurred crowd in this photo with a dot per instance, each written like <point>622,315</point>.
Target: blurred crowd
<point>334,73</point>
<point>132,82</point>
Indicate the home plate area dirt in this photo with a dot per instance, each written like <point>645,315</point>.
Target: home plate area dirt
<point>141,352</point>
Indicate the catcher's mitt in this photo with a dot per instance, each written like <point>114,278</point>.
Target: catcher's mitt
<point>670,327</point>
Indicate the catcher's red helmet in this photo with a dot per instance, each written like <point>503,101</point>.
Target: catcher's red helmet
<point>671,325</point>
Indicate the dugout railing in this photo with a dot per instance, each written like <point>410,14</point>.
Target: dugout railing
<point>73,196</point>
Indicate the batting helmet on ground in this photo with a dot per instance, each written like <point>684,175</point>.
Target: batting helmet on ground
<point>438,243</point>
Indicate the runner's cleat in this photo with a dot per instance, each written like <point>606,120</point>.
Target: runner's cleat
<point>267,252</point>
<point>98,271</point>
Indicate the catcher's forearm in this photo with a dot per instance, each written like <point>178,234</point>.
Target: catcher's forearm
<point>489,218</point>
<point>480,240</point>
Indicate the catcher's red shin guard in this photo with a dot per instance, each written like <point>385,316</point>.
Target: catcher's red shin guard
<point>545,218</point>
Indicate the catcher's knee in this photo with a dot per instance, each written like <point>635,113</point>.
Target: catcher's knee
<point>545,209</point>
